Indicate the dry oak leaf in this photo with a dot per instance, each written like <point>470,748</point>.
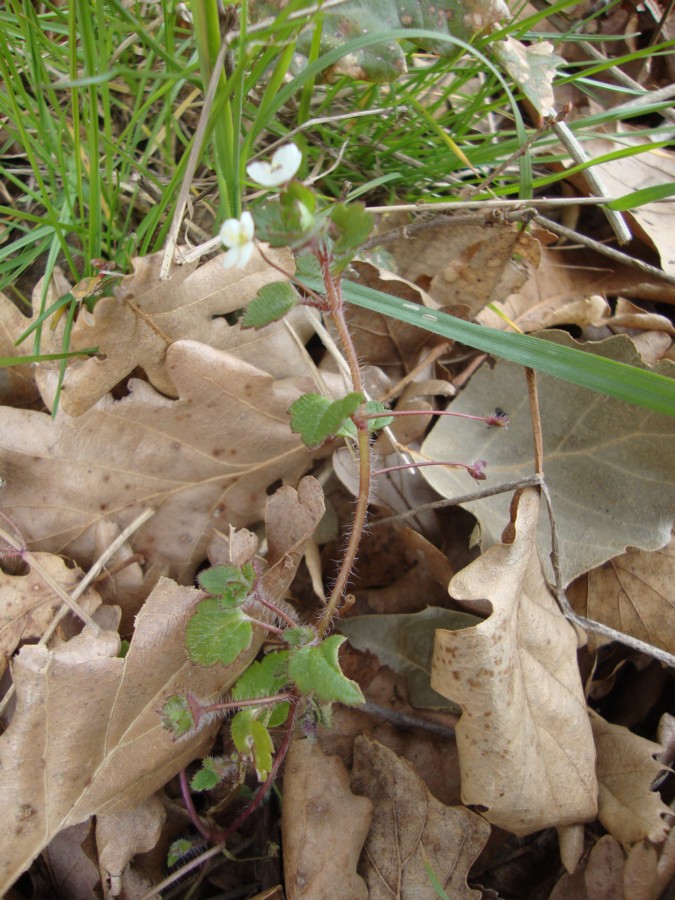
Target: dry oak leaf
<point>468,265</point>
<point>28,604</point>
<point>121,835</point>
<point>323,827</point>
<point>411,827</point>
<point>200,460</point>
<point>600,877</point>
<point>631,593</point>
<point>135,326</point>
<point>627,806</point>
<point>86,737</point>
<point>525,744</point>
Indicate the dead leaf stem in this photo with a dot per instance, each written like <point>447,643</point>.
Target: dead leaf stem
<point>616,255</point>
<point>611,634</point>
<point>533,396</point>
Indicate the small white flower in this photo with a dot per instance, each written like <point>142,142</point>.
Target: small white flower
<point>285,163</point>
<point>237,236</point>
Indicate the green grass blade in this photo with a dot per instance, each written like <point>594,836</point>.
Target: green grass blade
<point>628,383</point>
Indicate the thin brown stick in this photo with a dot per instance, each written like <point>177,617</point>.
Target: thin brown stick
<point>589,624</point>
<point>531,377</point>
<point>616,255</point>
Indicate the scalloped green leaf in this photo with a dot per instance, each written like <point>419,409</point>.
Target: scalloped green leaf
<point>316,418</point>
<point>271,303</point>
<point>230,584</point>
<point>176,716</point>
<point>316,670</point>
<point>353,224</point>
<point>264,678</point>
<point>348,429</point>
<point>208,776</point>
<point>216,634</point>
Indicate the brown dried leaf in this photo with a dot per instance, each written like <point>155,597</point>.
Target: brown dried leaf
<point>86,737</point>
<point>70,857</point>
<point>410,827</point>
<point>626,768</point>
<point>525,743</point>
<point>631,593</point>
<point>17,384</point>
<point>470,265</point>
<point>599,878</point>
<point>121,835</point>
<point>291,517</point>
<point>323,826</point>
<point>28,604</point>
<point>203,459</point>
<point>146,315</point>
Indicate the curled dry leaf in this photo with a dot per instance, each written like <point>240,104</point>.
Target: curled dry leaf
<point>627,806</point>
<point>28,604</point>
<point>412,830</point>
<point>121,835</point>
<point>323,827</point>
<point>136,325</point>
<point>86,737</point>
<point>632,593</point>
<point>200,460</point>
<point>290,517</point>
<point>524,739</point>
<point>600,877</point>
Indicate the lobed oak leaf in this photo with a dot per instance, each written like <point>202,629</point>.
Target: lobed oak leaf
<point>524,740</point>
<point>86,737</point>
<point>204,458</point>
<point>627,806</point>
<point>146,315</point>
<point>412,830</point>
<point>631,593</point>
<point>323,826</point>
<point>28,604</point>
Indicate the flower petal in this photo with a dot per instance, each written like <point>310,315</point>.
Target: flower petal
<point>247,226</point>
<point>285,163</point>
<point>231,258</point>
<point>230,232</point>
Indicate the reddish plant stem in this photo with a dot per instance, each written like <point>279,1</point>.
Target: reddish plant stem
<point>221,836</point>
<point>190,807</point>
<point>275,609</point>
<point>419,465</point>
<point>336,312</point>
<point>499,421</point>
<point>240,704</point>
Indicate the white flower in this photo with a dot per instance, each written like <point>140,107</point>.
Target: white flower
<point>285,163</point>
<point>237,236</point>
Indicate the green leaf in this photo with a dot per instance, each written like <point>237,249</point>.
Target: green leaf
<point>264,678</point>
<point>298,637</point>
<point>316,670</point>
<point>229,583</point>
<point>216,634</point>
<point>348,428</point>
<point>178,851</point>
<point>252,738</point>
<point>353,224</point>
<point>628,383</point>
<point>316,418</point>
<point>176,716</point>
<point>208,776</point>
<point>645,195</point>
<point>272,302</point>
<point>289,221</point>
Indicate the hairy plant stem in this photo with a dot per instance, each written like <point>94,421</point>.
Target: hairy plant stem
<point>336,312</point>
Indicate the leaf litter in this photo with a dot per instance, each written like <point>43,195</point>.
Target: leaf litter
<point>185,413</point>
